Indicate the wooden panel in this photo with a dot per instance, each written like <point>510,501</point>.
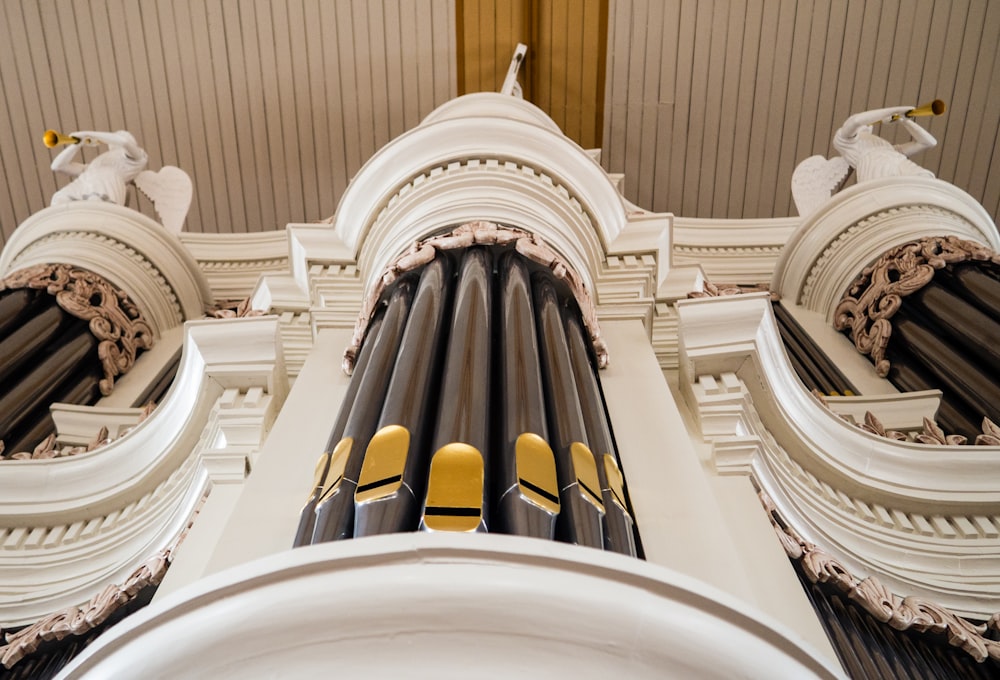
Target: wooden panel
<point>270,106</point>
<point>564,70</point>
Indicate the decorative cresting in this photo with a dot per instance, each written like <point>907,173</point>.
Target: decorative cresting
<point>904,613</point>
<point>474,406</point>
<point>112,317</point>
<point>877,293</point>
<point>482,233</point>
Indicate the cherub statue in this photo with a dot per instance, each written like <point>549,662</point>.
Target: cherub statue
<point>817,178</point>
<point>107,176</point>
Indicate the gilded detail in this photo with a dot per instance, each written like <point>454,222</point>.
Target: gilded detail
<point>114,319</point>
<point>877,293</point>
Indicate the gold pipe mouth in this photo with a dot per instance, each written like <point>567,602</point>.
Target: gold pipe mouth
<point>455,489</point>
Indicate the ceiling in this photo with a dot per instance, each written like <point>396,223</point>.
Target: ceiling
<point>272,106</point>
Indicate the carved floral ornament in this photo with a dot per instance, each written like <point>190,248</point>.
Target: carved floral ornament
<point>113,318</point>
<point>907,613</point>
<point>467,235</point>
<point>84,618</point>
<point>877,293</point>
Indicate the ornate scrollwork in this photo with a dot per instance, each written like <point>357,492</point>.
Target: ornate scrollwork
<point>875,598</point>
<point>877,293</point>
<point>113,318</point>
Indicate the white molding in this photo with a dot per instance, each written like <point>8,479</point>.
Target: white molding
<point>113,507</point>
<point>857,225</point>
<point>732,251</point>
<point>485,157</point>
<point>449,607</point>
<point>924,519</point>
<point>125,247</point>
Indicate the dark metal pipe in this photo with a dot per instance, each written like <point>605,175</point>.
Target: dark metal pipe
<point>619,528</point>
<point>307,517</point>
<point>80,388</point>
<point>394,471</point>
<point>974,285</point>
<point>29,340</point>
<point>962,378</point>
<point>38,385</point>
<point>829,378</point>
<point>528,488</point>
<point>13,304</point>
<point>457,497</point>
<point>335,508</point>
<point>582,506</point>
<point>964,324</point>
<point>905,375</point>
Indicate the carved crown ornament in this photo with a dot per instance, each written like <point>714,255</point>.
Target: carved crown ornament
<point>875,296</point>
<point>113,318</point>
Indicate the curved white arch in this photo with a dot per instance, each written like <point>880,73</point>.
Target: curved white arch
<point>445,606</point>
<point>855,227</point>
<point>128,249</point>
<point>488,130</point>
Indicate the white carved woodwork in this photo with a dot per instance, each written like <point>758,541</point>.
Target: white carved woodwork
<point>924,519</point>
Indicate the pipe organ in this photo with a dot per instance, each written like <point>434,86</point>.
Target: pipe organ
<point>474,407</point>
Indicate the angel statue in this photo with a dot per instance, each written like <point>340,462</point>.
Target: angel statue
<point>817,178</point>
<point>107,176</point>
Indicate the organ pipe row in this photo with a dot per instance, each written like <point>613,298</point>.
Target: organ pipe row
<point>46,356</point>
<point>474,407</point>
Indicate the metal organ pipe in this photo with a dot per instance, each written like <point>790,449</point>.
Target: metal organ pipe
<point>582,507</point>
<point>619,529</point>
<point>457,498</point>
<point>335,508</point>
<point>307,517</point>
<point>391,485</point>
<point>528,486</point>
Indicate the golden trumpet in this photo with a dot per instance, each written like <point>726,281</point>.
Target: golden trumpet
<point>934,108</point>
<point>51,139</point>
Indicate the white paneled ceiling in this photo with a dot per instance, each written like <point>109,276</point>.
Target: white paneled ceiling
<point>273,105</point>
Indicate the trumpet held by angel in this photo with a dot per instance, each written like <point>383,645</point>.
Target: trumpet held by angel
<point>817,178</point>
<point>107,176</point>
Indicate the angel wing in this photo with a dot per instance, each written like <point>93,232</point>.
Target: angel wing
<point>815,180</point>
<point>171,191</point>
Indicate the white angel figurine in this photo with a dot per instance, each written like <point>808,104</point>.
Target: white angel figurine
<point>107,176</point>
<point>873,157</point>
<point>817,178</point>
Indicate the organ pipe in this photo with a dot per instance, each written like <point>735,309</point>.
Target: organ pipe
<point>38,385</point>
<point>457,496</point>
<point>581,504</point>
<point>619,529</point>
<point>528,486</point>
<point>335,508</point>
<point>307,517</point>
<point>391,485</point>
